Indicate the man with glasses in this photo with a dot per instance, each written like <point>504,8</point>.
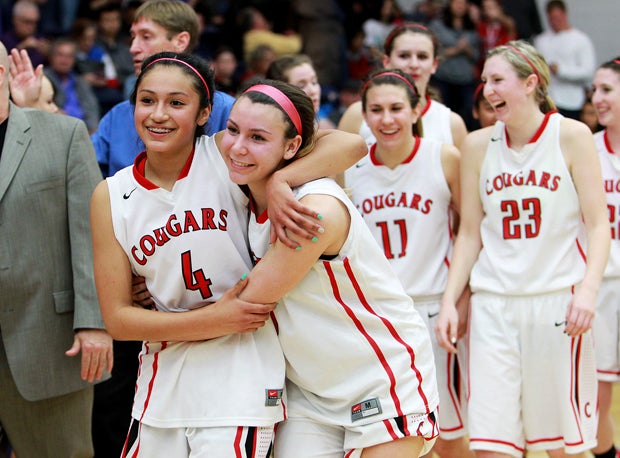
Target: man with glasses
<point>24,34</point>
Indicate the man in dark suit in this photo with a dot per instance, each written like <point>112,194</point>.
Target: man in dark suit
<point>49,312</point>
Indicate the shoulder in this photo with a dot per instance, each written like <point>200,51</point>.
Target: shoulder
<point>458,128</point>
<point>576,139</point>
<point>352,118</point>
<point>221,98</point>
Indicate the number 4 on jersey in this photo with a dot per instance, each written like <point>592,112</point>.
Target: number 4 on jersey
<point>195,280</point>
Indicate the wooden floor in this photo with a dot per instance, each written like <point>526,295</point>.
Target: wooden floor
<point>615,409</point>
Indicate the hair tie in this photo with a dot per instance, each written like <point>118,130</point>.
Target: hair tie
<point>528,61</point>
<point>282,100</point>
<point>412,86</point>
<point>174,59</point>
<point>617,61</point>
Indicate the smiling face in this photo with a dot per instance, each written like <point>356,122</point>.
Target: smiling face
<point>606,96</point>
<point>389,114</point>
<point>167,110</point>
<point>413,53</point>
<point>503,88</point>
<point>304,77</point>
<point>254,143</point>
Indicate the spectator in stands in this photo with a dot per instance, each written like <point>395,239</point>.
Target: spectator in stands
<point>24,34</point>
<point>526,17</point>
<point>257,64</point>
<point>495,28</point>
<point>73,94</point>
<point>456,75</point>
<point>226,70</point>
<point>112,40</point>
<point>95,65</point>
<point>571,58</point>
<point>257,31</point>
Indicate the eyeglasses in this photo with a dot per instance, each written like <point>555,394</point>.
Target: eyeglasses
<point>26,20</point>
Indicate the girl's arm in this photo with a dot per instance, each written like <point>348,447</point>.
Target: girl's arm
<point>282,268</point>
<point>123,321</point>
<point>334,152</point>
<point>581,156</point>
<point>468,243</point>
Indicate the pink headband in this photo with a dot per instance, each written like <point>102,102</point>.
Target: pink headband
<point>174,59</point>
<point>282,100</point>
<point>413,88</point>
<point>617,61</point>
<point>528,61</point>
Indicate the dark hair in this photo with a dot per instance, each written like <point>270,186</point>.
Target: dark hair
<point>613,64</point>
<point>413,27</point>
<point>195,67</point>
<point>448,18</point>
<point>279,68</point>
<point>302,103</point>
<point>553,4</point>
<point>395,77</point>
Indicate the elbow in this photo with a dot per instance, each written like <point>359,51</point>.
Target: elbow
<point>359,147</point>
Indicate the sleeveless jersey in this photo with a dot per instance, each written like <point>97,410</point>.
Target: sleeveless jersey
<point>435,124</point>
<point>190,245</point>
<point>610,166</point>
<point>354,344</point>
<point>407,211</point>
<point>531,219</point>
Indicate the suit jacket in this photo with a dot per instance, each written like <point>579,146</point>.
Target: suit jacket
<point>48,171</point>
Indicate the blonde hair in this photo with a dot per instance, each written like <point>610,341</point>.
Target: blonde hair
<point>527,60</point>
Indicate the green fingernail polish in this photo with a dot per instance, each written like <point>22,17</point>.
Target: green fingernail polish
<point>297,248</point>
<point>244,276</point>
<point>319,216</point>
<point>315,239</point>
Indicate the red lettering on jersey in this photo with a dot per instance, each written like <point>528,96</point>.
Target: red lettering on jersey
<point>173,229</point>
<point>207,218</point>
<point>134,254</point>
<point>223,220</point>
<point>531,179</point>
<point>415,201</point>
<point>161,237</point>
<point>505,180</point>
<point>190,222</point>
<point>427,206</point>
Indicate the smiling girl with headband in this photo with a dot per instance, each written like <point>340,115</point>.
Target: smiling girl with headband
<point>359,364</point>
<point>404,190</point>
<point>211,369</point>
<point>529,184</point>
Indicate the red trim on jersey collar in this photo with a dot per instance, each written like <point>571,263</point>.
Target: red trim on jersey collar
<point>139,168</point>
<point>538,132</point>
<point>263,217</point>
<point>607,144</point>
<point>408,159</point>
<point>428,105</point>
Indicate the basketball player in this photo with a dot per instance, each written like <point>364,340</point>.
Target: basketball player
<point>404,189</point>
<point>360,370</point>
<point>526,183</point>
<point>412,48</point>
<point>211,377</point>
<point>606,332</point>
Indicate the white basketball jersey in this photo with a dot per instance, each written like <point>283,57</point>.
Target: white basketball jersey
<point>531,217</point>
<point>610,166</point>
<point>407,211</point>
<point>435,124</point>
<point>354,344</point>
<point>190,245</point>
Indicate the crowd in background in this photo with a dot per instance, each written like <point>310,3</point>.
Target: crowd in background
<point>85,46</point>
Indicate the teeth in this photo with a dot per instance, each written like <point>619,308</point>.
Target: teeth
<point>239,164</point>
<point>159,130</point>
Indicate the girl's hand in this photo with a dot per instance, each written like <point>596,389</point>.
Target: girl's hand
<point>580,313</point>
<point>140,294</point>
<point>447,326</point>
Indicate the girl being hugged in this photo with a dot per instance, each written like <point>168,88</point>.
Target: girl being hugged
<point>211,369</point>
<point>606,101</point>
<point>413,48</point>
<point>404,190</point>
<point>526,183</point>
<point>360,370</point>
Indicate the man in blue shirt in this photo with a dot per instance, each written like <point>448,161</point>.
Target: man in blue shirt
<point>158,26</point>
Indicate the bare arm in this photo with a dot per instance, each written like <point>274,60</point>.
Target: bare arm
<point>282,268</point>
<point>468,242</point>
<point>334,152</point>
<point>459,131</point>
<point>113,277</point>
<point>581,156</point>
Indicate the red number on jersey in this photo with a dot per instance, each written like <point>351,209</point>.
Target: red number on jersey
<point>385,237</point>
<point>512,227</point>
<point>195,280</point>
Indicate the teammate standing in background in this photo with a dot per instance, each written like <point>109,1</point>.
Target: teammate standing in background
<point>412,48</point>
<point>606,327</point>
<point>405,189</point>
<point>527,183</point>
